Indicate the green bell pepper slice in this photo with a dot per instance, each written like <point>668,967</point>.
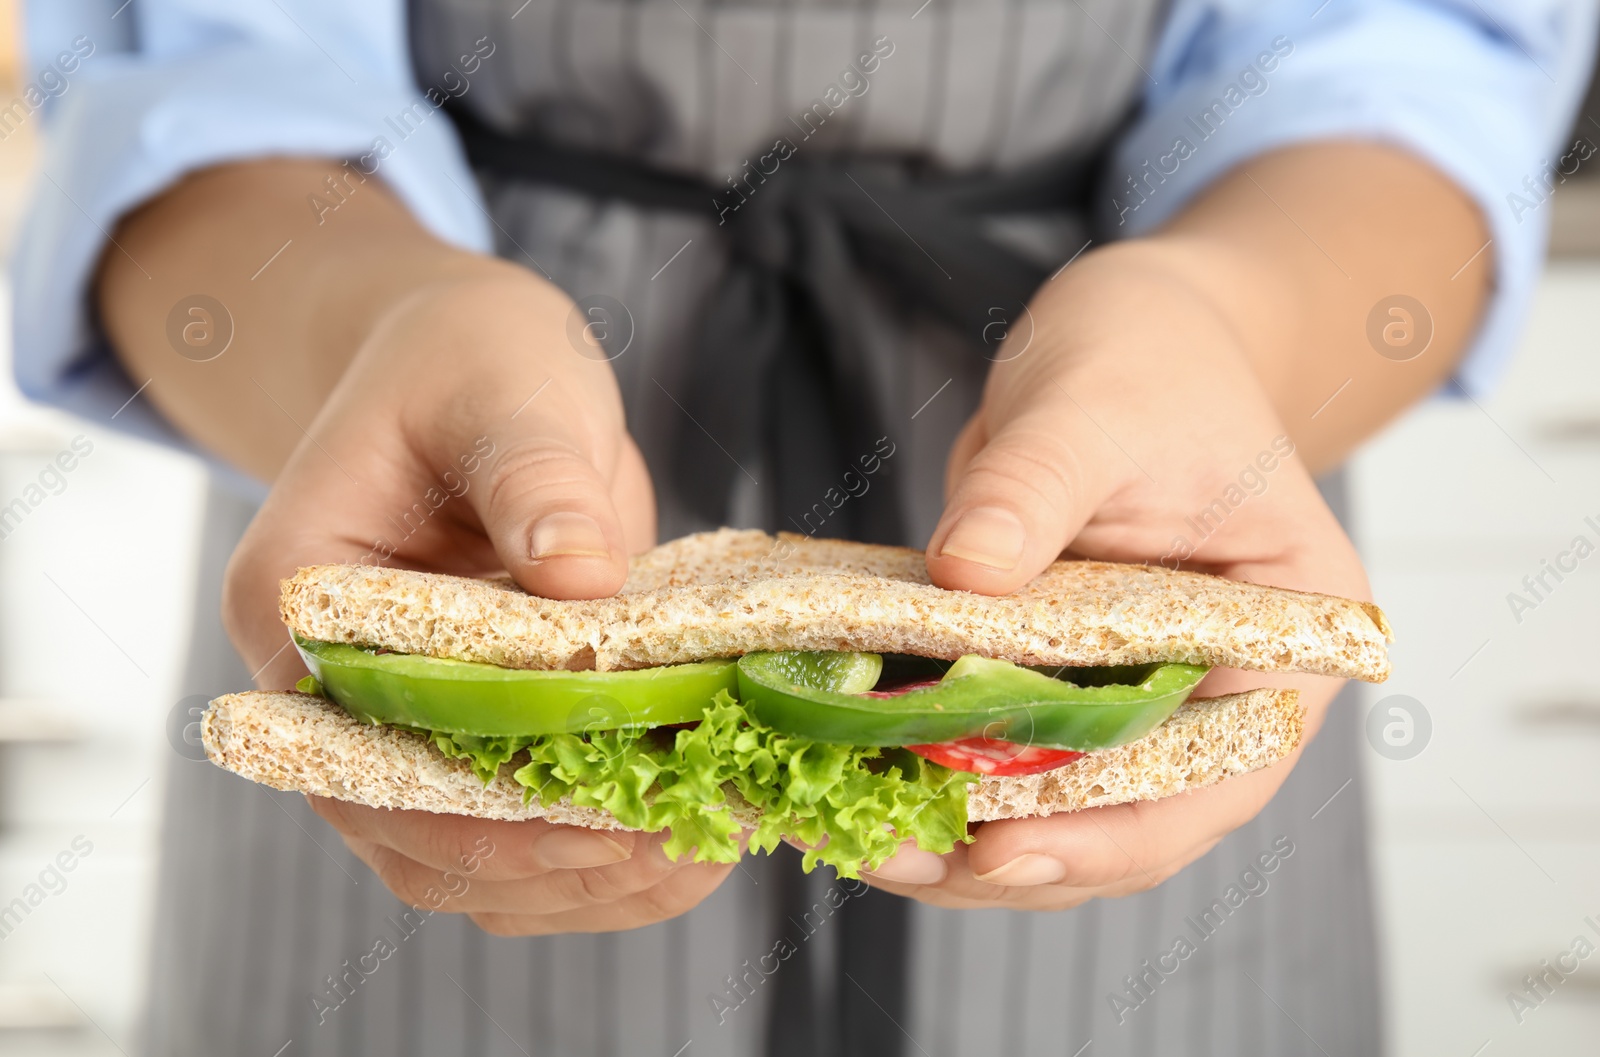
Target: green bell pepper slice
<point>1082,709</point>
<point>465,697</point>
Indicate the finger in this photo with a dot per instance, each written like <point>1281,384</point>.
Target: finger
<point>491,849</point>
<point>547,506</point>
<point>1133,844</point>
<point>550,892</point>
<point>958,890</point>
<point>961,889</point>
<point>1109,851</point>
<point>1045,898</point>
<point>550,421</point>
<point>968,442</point>
<point>1020,499</point>
<point>911,865</point>
<point>249,614</point>
<point>633,495</point>
<point>966,893</point>
<point>679,893</point>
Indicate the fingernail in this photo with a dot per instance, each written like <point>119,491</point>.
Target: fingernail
<point>578,849</point>
<point>1030,869</point>
<point>569,534</point>
<point>987,535</point>
<point>913,866</point>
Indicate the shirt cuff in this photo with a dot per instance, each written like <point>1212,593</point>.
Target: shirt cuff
<point>1486,102</point>
<point>131,128</point>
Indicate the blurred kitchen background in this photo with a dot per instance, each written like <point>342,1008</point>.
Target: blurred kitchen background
<point>1487,838</point>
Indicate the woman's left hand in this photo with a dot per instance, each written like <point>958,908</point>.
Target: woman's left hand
<point>1128,409</point>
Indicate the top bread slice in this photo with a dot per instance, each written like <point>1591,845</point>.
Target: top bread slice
<point>727,593</point>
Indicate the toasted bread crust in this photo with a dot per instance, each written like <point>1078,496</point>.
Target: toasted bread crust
<point>299,742</point>
<point>727,593</point>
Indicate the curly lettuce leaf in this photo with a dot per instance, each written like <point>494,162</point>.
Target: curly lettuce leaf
<point>850,806</point>
<point>484,754</point>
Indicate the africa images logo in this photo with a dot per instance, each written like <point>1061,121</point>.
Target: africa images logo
<point>50,481</point>
<point>1252,884</point>
<point>52,81</point>
<point>1252,81</point>
<point>852,83</point>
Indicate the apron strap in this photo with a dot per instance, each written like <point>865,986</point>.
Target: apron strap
<point>779,377</point>
<point>779,374</point>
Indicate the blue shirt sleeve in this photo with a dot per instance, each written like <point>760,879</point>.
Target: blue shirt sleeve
<point>1485,90</point>
<point>160,88</point>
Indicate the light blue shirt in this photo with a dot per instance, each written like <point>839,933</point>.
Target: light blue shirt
<point>1483,89</point>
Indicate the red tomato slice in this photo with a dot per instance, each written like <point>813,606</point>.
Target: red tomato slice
<point>982,755</point>
<point>992,756</point>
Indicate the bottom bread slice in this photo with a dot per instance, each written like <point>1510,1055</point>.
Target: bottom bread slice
<point>306,744</point>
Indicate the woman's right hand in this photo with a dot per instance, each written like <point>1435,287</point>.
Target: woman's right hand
<point>522,878</point>
<point>470,434</point>
<point>415,405</point>
<point>467,435</point>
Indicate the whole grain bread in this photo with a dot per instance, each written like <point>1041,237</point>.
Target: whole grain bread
<point>726,593</point>
<point>304,743</point>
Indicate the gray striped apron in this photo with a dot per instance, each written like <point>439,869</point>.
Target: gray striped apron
<point>262,911</point>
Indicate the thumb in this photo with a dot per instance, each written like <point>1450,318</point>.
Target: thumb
<point>1017,497</point>
<point>547,506</point>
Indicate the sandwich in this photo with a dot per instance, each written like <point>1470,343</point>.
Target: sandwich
<point>744,689</point>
